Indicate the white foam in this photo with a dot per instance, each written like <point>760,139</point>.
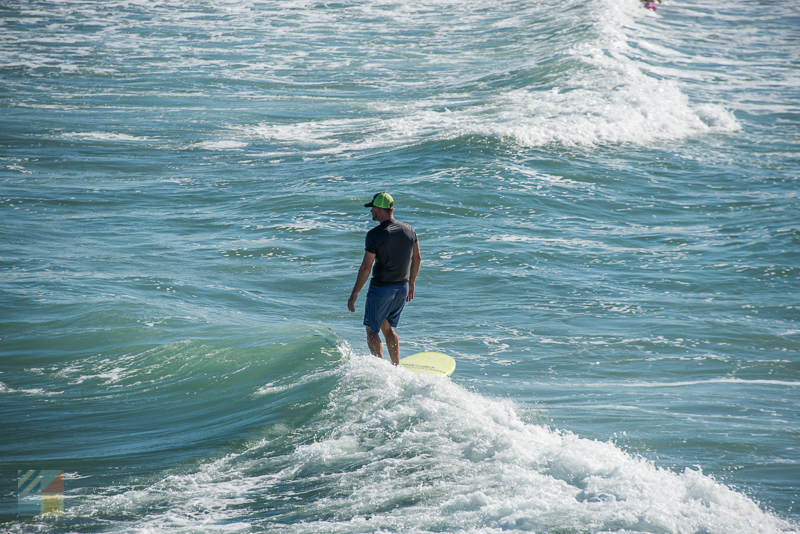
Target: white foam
<point>28,391</point>
<point>394,451</point>
<point>270,388</point>
<point>221,145</point>
<point>740,381</point>
<point>484,466</point>
<point>106,136</point>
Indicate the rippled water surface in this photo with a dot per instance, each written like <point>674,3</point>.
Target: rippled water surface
<point>607,205</point>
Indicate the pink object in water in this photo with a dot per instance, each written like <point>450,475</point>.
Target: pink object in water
<point>650,5</point>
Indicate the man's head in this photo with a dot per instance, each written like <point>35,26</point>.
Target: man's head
<point>382,205</point>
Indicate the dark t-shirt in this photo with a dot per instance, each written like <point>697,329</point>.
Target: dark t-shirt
<point>392,242</point>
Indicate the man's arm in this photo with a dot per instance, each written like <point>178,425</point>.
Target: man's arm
<point>363,276</point>
<point>416,261</point>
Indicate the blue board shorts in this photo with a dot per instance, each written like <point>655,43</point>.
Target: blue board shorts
<point>384,303</point>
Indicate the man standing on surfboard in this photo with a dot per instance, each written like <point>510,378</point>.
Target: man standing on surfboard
<point>393,248</point>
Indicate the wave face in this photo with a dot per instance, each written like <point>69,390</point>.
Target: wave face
<point>607,204</point>
<point>350,443</point>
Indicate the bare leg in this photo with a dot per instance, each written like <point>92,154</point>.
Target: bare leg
<point>392,342</point>
<point>374,343</point>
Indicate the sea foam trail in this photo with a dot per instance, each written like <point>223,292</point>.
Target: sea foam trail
<point>397,451</point>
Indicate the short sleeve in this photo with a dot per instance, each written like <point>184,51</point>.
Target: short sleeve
<point>369,244</point>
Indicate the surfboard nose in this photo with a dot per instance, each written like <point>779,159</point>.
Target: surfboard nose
<point>429,363</point>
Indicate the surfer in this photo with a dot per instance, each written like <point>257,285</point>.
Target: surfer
<point>393,248</point>
<point>650,4</point>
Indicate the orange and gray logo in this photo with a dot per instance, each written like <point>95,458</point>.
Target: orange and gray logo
<point>40,492</point>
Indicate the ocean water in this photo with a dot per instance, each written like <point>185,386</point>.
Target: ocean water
<point>607,205</point>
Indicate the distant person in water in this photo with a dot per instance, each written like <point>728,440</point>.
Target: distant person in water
<point>650,4</point>
<point>393,248</point>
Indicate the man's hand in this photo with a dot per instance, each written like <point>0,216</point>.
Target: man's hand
<point>351,303</point>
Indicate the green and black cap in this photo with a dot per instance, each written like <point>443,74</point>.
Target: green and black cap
<point>381,200</point>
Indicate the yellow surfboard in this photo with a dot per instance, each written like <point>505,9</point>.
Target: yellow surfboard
<point>429,363</point>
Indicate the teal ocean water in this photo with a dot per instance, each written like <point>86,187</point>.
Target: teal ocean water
<point>607,201</point>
